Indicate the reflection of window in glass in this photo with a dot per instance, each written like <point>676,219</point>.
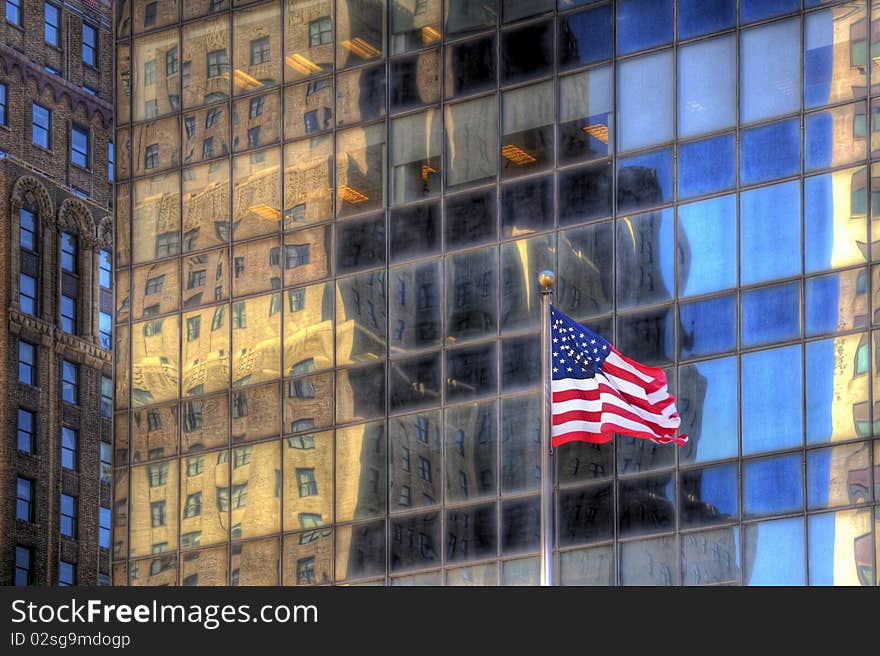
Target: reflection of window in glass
<point>860,125</point>
<point>193,326</point>
<point>405,496</point>
<point>218,63</point>
<point>150,72</point>
<point>424,469</point>
<point>193,505</point>
<point>305,479</point>
<point>861,360</point>
<point>858,194</point>
<point>420,424</point>
<point>256,107</point>
<point>320,32</point>
<point>858,43</point>
<point>192,416</point>
<point>260,51</point>
<point>296,255</point>
<point>150,12</point>
<point>195,465</point>
<point>157,474</point>
<point>311,121</point>
<point>254,136</point>
<point>239,315</point>
<point>155,284</point>
<point>302,388</point>
<point>196,279</point>
<point>171,61</point>
<point>296,299</point>
<point>157,513</point>
<point>218,319</point>
<point>241,456</point>
<point>151,156</point>
<point>305,571</point>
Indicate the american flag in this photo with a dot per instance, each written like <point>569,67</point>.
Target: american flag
<point>598,392</point>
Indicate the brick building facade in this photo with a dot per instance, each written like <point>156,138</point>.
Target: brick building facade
<point>56,159</point>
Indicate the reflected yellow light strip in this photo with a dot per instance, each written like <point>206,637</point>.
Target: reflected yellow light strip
<point>246,81</point>
<point>632,232</point>
<point>517,155</point>
<point>302,64</point>
<point>361,48</point>
<point>351,195</point>
<point>598,131</point>
<point>266,212</point>
<point>430,34</point>
<point>427,170</point>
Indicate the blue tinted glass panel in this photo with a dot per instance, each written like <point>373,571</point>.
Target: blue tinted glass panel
<point>770,151</point>
<point>770,220</point>
<point>706,166</point>
<point>707,246</point>
<point>585,37</point>
<point>696,17</point>
<point>770,70</point>
<point>771,314</point>
<point>645,100</point>
<point>835,411</point>
<point>835,137</point>
<point>832,37</point>
<point>644,180</point>
<point>708,496</point>
<point>771,413</point>
<point>835,219</point>
<point>772,485</point>
<point>836,302</point>
<point>706,399</point>
<point>774,552</point>
<point>643,24</point>
<point>584,194</point>
<point>647,337</point>
<point>645,251</point>
<point>839,476</point>
<point>707,327</point>
<point>706,86</point>
<point>841,548</point>
<point>753,10</point>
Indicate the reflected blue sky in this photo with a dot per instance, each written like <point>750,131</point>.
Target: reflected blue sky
<point>643,24</point>
<point>753,10</point>
<point>706,166</point>
<point>718,429</point>
<point>775,552</point>
<point>770,70</point>
<point>770,221</point>
<point>819,390</point>
<point>696,17</point>
<point>771,413</point>
<point>770,152</point>
<point>773,485</point>
<point>707,231</point>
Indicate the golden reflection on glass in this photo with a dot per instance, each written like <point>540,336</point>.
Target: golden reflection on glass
<point>308,329</point>
<point>160,14</point>
<point>414,25</point>
<point>256,340</point>
<point>156,218</point>
<point>156,81</point>
<point>360,169</point>
<point>308,558</point>
<point>206,136</point>
<point>307,402</point>
<point>414,306</point>
<point>121,355</point>
<point>839,134</point>
<point>254,496</point>
<point>122,245</point>
<point>120,513</point>
<point>360,31</point>
<point>256,121</point>
<point>205,278</point>
<point>527,129</point>
<point>308,38</point>
<point>875,212</point>
<point>360,471</point>
<point>153,508</point>
<point>154,368</point>
<point>360,551</point>
<point>205,567</point>
<point>123,26</point>
<point>415,479</point>
<point>415,156</point>
<point>308,108</point>
<point>205,206</point>
<point>205,61</point>
<point>205,351</point>
<point>255,563</point>
<point>307,255</point>
<point>360,95</point>
<point>520,293</point>
<point>360,318</point>
<point>842,549</point>
<point>122,154</point>
<point>256,413</point>
<point>157,289</point>
<point>158,571</point>
<point>204,517</point>
<point>836,54</point>
<point>474,575</point>
<point>257,39</point>
<point>155,146</point>
<point>123,85</point>
<point>123,295</point>
<point>256,193</point>
<point>198,8</point>
<point>256,266</point>
<point>204,423</point>
<point>154,433</point>
<point>308,480</point>
<point>120,573</point>
<point>839,476</point>
<point>120,439</point>
<point>308,187</point>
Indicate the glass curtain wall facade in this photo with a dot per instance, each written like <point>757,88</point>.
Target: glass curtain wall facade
<point>330,216</point>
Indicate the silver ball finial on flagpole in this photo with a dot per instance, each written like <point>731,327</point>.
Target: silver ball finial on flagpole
<point>546,279</point>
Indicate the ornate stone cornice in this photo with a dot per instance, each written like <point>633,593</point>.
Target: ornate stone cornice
<point>89,352</point>
<point>12,59</point>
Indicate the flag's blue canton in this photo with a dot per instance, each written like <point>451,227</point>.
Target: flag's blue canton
<point>577,352</point>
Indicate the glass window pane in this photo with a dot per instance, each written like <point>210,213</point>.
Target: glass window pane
<point>585,128</point>
<point>308,108</point>
<point>415,80</point>
<point>257,38</point>
<point>156,89</point>
<point>829,36</point>
<point>527,129</point>
<point>415,231</point>
<point>771,413</point>
<point>752,10</point>
<point>308,175</point>
<point>520,526</point>
<point>256,345</point>
<point>360,31</point>
<point>360,550</point>
<point>526,52</point>
<point>360,169</point>
<point>647,337</point>
<point>711,557</point>
<point>835,219</point>
<point>837,389</point>
<point>709,496</point>
<point>471,66</point>
<point>306,255</point>
<point>696,17</point>
<point>841,548</point>
<point>585,37</point>
<point>769,232</point>
<point>706,400</point>
<point>156,217</point>
<point>471,299</point>
<point>415,157</point>
<point>706,262</point>
<point>584,286</point>
<point>154,363</point>
<point>256,266</point>
<point>308,38</point>
<point>205,61</point>
<point>256,200</point>
<point>414,309</point>
<point>360,393</point>
<point>649,562</point>
<point>706,166</point>
<point>770,70</point>
<point>471,142</point>
<point>360,243</point>
<point>471,533</point>
<point>585,515</point>
<point>360,471</point>
<point>519,261</point>
<point>707,327</point>
<point>205,206</point>
<point>471,372</point>
<point>771,314</point>
<point>773,485</point>
<point>770,151</point>
<point>360,318</point>
<point>423,550</point>
<point>471,450</point>
<point>414,27</point>
<point>206,135</point>
<point>592,567</point>
<point>839,476</point>
<point>835,137</point>
<point>585,193</point>
<point>645,100</point>
<point>834,302</point>
<point>205,351</point>
<point>527,206</point>
<point>644,180</point>
<point>471,219</point>
<point>643,24</point>
<point>645,251</point>
<point>415,479</point>
<point>414,383</point>
<point>774,552</point>
<point>646,505</point>
<point>465,15</point>
<point>360,95</point>
<point>706,86</point>
<point>308,330</point>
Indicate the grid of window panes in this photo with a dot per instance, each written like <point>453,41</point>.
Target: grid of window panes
<point>330,219</point>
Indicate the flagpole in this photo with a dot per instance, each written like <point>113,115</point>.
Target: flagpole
<point>546,280</point>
